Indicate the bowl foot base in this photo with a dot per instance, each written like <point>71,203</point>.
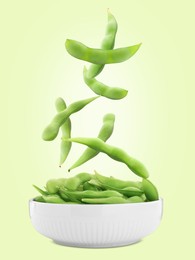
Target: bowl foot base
<point>89,245</point>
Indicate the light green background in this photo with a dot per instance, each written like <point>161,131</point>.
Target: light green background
<point>155,123</point>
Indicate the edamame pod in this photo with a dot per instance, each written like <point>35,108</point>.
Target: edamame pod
<point>78,195</point>
<point>99,56</point>
<point>84,176</point>
<point>53,185</point>
<point>102,89</point>
<point>42,192</point>
<point>104,134</point>
<point>80,188</point>
<point>130,191</point>
<point>52,129</point>
<point>67,199</point>
<point>111,30</point>
<point>89,186</point>
<point>143,196</point>
<point>116,183</point>
<point>135,199</point>
<point>97,184</point>
<point>115,153</point>
<point>39,199</point>
<point>53,199</point>
<point>150,190</point>
<point>63,196</point>
<point>110,200</point>
<point>94,69</point>
<point>74,182</point>
<point>66,132</point>
<point>112,184</point>
<point>107,127</point>
<point>107,44</point>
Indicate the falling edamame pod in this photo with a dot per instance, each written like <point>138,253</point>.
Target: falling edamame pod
<point>107,44</point>
<point>99,56</point>
<point>102,89</point>
<point>104,134</point>
<point>115,153</point>
<point>94,69</point>
<point>52,129</point>
<point>66,131</point>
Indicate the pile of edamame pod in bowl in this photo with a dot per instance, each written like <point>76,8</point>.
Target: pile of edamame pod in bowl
<point>86,188</point>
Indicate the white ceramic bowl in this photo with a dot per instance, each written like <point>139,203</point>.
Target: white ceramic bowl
<point>107,225</point>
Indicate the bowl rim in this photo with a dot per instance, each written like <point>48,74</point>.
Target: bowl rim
<point>160,200</point>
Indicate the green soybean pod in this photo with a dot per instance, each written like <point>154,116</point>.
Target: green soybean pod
<point>150,190</point>
<point>53,199</point>
<point>89,186</point>
<point>39,199</point>
<point>84,176</point>
<point>78,195</point>
<point>135,199</point>
<point>105,132</point>
<point>107,127</point>
<point>53,185</point>
<point>110,200</point>
<point>63,195</point>
<point>102,89</point>
<point>115,183</point>
<point>143,196</point>
<point>99,56</point>
<point>73,202</point>
<point>115,153</point>
<point>52,129</point>
<point>66,198</point>
<point>80,188</point>
<point>73,183</point>
<point>107,44</point>
<point>97,184</point>
<point>110,34</point>
<point>42,192</point>
<point>128,191</point>
<point>88,75</point>
<point>68,195</point>
<point>66,131</point>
